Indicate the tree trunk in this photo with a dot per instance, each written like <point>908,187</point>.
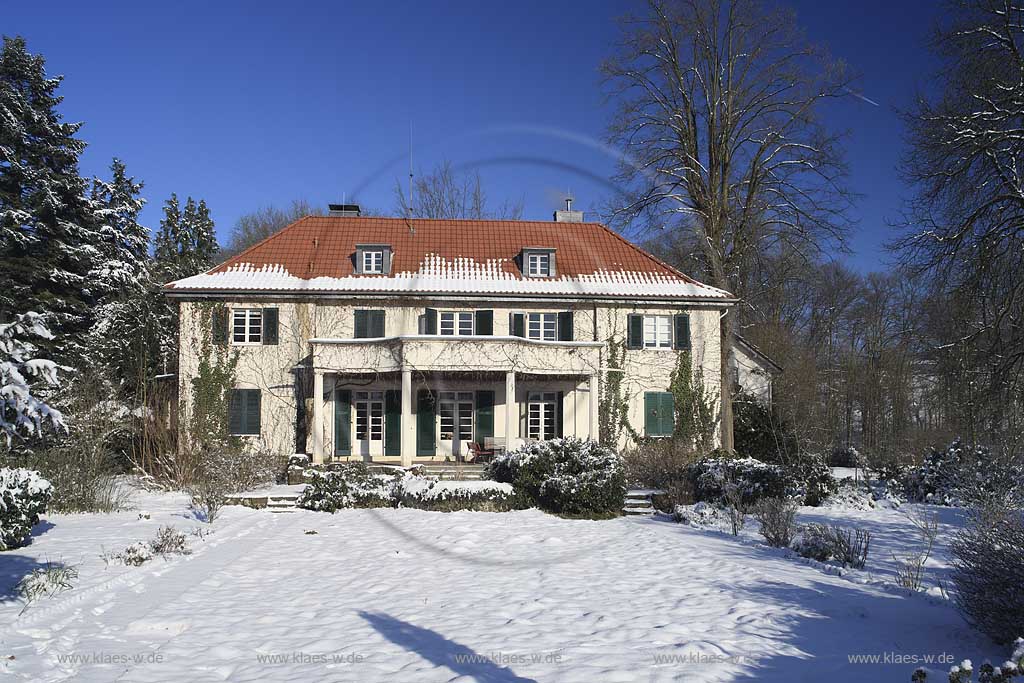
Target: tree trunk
<point>728,334</point>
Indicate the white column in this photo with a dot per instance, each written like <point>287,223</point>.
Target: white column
<point>318,417</point>
<point>408,422</point>
<point>594,407</point>
<point>511,410</point>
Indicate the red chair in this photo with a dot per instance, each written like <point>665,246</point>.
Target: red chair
<point>480,454</point>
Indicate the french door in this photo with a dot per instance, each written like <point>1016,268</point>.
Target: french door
<point>456,411</point>
<point>369,418</point>
<point>541,415</point>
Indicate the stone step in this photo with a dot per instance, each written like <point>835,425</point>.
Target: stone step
<point>638,511</point>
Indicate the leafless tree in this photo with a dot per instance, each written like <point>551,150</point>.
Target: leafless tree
<point>965,226</point>
<point>264,222</point>
<point>445,193</point>
<point>717,120</point>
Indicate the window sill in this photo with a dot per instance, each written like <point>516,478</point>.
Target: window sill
<point>234,343</point>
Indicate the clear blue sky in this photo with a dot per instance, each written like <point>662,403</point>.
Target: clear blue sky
<point>247,104</point>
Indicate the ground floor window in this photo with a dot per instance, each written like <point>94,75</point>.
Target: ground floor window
<point>659,413</point>
<point>456,411</point>
<point>369,415</point>
<point>541,414</point>
<point>244,412</point>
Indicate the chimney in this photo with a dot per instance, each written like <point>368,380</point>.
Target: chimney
<point>343,210</point>
<point>568,215</point>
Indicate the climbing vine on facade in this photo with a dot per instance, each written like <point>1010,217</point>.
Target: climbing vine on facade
<point>613,404</point>
<point>695,404</point>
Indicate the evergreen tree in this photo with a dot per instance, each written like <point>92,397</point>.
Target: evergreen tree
<point>186,243</point>
<point>48,238</point>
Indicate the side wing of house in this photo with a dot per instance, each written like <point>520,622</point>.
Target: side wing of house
<point>753,371</point>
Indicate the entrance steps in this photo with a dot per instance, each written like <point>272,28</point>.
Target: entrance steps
<point>453,470</point>
<point>640,501</point>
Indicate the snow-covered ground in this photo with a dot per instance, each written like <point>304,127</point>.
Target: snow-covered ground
<point>409,595</point>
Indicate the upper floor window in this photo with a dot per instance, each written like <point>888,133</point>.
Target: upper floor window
<point>539,262</point>
<point>657,332</point>
<point>373,261</point>
<point>247,326</point>
<point>459,323</point>
<point>542,326</point>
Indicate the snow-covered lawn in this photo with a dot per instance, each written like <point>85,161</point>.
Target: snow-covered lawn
<point>409,595</point>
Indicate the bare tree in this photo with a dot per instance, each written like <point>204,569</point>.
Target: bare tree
<point>717,120</point>
<point>264,222</point>
<point>444,193</point>
<point>965,227</point>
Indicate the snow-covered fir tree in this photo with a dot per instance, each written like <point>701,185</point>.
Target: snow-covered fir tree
<point>22,412</point>
<point>48,236</point>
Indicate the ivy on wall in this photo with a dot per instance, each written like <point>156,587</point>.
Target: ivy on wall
<point>208,427</point>
<point>613,404</point>
<point>696,405</point>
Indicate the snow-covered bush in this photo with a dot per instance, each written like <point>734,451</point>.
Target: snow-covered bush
<point>427,493</point>
<point>936,478</point>
<point>852,497</point>
<point>845,457</point>
<point>226,470</point>
<point>169,541</point>
<point>1010,670</point>
<point>24,495</point>
<point>348,485</point>
<point>810,479</point>
<point>702,516</point>
<point>755,479</point>
<point>849,547</point>
<point>136,554</point>
<point>662,464</point>
<point>962,475</point>
<point>22,413</point>
<point>777,517</point>
<point>45,582</point>
<point>988,572</point>
<point>566,475</point>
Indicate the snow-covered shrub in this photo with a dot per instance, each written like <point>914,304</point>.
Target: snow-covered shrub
<point>847,546</point>
<point>810,479</point>
<point>852,497</point>
<point>24,495</point>
<point>935,480</point>
<point>347,485</point>
<point>136,554</point>
<point>566,475</point>
<point>777,517</point>
<point>962,475</point>
<point>702,516</point>
<point>845,457</point>
<point>988,572</point>
<point>428,493</point>
<point>226,470</point>
<point>45,582</point>
<point>1010,670</point>
<point>169,541</point>
<point>754,478</point>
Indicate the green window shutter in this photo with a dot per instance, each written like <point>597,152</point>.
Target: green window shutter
<point>484,418</point>
<point>252,411</point>
<point>392,422</point>
<point>559,411</point>
<point>484,323</point>
<point>361,326</point>
<point>426,419</point>
<point>376,319</point>
<point>565,326</point>
<point>342,422</point>
<point>517,324</point>
<point>236,408</point>
<point>668,414</point>
<point>634,331</point>
<point>682,341</point>
<point>220,326</point>
<point>270,326</point>
<point>430,321</point>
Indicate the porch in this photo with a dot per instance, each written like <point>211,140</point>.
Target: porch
<point>403,400</point>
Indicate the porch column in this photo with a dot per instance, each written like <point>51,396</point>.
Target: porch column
<point>408,422</point>
<point>511,410</point>
<point>594,407</point>
<point>318,417</point>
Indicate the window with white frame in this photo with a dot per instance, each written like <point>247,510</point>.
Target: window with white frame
<point>543,326</point>
<point>538,264</point>
<point>247,326</point>
<point>657,332</point>
<point>458,323</point>
<point>456,412</point>
<point>541,414</point>
<point>369,415</point>
<point>373,261</point>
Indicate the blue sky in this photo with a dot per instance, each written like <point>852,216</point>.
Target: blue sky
<point>255,103</point>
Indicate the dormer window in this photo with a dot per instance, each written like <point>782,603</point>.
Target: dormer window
<point>539,262</point>
<point>373,259</point>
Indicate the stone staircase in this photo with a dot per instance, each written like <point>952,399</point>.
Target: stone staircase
<point>640,501</point>
<point>275,499</point>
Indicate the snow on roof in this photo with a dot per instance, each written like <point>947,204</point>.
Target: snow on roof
<point>315,254</point>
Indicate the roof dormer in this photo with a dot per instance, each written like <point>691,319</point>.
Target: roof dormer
<point>538,262</point>
<point>373,259</point>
